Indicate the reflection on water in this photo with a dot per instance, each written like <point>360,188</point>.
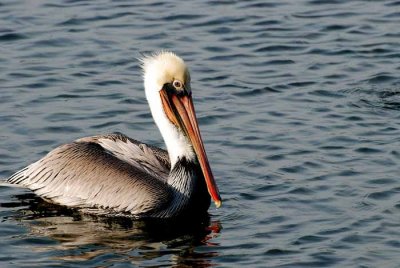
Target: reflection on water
<point>298,104</point>
<point>81,237</point>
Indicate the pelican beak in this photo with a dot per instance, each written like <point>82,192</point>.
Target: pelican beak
<point>179,108</point>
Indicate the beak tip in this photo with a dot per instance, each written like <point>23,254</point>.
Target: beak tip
<point>218,203</point>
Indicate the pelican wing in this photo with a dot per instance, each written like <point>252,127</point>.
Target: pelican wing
<point>150,159</point>
<point>107,172</point>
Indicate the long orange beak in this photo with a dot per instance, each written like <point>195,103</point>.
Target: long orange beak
<point>180,111</point>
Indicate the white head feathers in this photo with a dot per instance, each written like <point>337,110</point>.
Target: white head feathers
<point>159,69</point>
<point>164,67</point>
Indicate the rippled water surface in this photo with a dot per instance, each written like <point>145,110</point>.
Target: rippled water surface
<point>299,107</point>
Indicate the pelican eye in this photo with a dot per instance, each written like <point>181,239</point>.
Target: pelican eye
<point>177,84</point>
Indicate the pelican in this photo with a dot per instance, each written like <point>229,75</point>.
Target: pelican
<point>114,174</point>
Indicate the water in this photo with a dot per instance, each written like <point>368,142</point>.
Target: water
<point>298,103</point>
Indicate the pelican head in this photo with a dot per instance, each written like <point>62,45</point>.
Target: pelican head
<point>168,91</point>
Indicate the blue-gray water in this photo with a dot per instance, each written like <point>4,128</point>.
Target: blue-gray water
<point>299,108</point>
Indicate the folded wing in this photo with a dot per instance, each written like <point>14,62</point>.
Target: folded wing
<point>108,172</point>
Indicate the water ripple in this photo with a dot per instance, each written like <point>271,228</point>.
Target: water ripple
<point>298,106</point>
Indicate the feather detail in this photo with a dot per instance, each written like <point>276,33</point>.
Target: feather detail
<point>86,174</point>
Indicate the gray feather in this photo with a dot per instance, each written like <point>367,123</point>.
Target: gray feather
<point>108,172</point>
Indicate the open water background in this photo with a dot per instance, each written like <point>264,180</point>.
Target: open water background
<point>299,107</point>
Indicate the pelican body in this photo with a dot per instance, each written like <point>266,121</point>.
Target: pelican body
<point>114,174</point>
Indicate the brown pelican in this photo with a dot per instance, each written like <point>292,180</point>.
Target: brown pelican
<point>119,175</point>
